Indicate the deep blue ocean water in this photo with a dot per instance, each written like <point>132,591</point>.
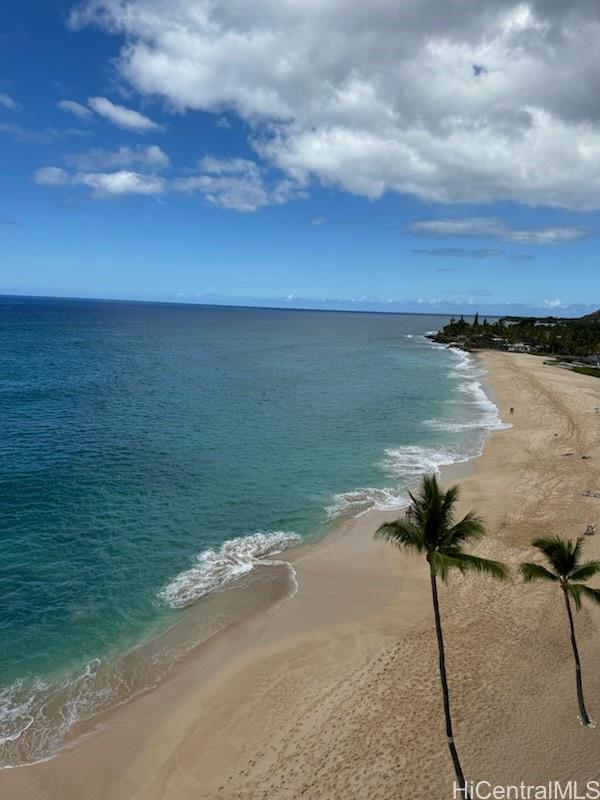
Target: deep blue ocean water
<point>138,442</point>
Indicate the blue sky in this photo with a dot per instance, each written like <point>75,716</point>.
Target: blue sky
<point>302,153</point>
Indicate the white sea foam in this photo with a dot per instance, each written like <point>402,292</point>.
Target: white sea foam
<point>215,569</point>
<point>409,462</point>
<point>412,461</point>
<point>15,714</point>
<point>361,500</point>
<point>36,717</point>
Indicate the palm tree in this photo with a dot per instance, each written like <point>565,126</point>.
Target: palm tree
<point>566,570</point>
<point>429,528</point>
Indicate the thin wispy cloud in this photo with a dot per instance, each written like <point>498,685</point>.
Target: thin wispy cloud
<point>77,109</point>
<point>96,159</point>
<point>21,134</point>
<point>476,254</point>
<point>51,176</point>
<point>122,117</point>
<point>469,292</point>
<point>6,101</point>
<point>494,228</point>
<point>237,184</point>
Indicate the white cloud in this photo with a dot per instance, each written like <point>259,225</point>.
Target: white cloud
<point>152,158</point>
<point>71,107</point>
<point>110,184</point>
<point>228,166</point>
<point>122,117</point>
<point>462,253</point>
<point>7,102</point>
<point>237,184</point>
<point>102,184</point>
<point>553,303</point>
<point>447,101</point>
<point>51,176</point>
<point>493,228</point>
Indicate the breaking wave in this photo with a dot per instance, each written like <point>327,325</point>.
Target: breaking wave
<point>216,568</point>
<point>475,413</point>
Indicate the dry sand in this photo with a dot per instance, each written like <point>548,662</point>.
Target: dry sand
<point>334,694</point>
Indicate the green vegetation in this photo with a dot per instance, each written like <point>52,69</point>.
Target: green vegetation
<point>553,335</point>
<point>429,528</point>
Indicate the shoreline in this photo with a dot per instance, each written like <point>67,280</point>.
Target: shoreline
<point>334,693</point>
<point>271,580</point>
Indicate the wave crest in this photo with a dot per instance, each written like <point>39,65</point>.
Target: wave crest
<point>215,569</point>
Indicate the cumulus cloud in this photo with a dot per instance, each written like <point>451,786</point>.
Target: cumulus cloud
<point>493,228</point>
<point>556,303</point>
<point>385,96</point>
<point>478,254</point>
<point>152,158</point>
<point>71,107</point>
<point>6,101</point>
<point>122,117</point>
<point>237,184</point>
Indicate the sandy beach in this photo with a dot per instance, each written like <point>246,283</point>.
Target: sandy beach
<point>333,694</point>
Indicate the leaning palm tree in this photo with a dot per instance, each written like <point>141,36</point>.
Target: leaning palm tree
<point>430,528</point>
<point>569,573</point>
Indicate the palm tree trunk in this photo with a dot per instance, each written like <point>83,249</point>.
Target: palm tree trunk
<point>582,710</point>
<point>460,778</point>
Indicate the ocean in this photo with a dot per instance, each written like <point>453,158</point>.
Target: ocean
<point>157,458</point>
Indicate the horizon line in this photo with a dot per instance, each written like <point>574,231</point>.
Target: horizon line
<point>193,304</point>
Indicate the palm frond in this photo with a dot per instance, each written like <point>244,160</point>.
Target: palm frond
<point>469,529</point>
<point>432,530</point>
<point>536,572</point>
<point>403,534</point>
<point>561,554</point>
<point>469,563</point>
<point>448,502</point>
<point>585,571</point>
<point>442,564</point>
<point>574,590</point>
<point>579,592</point>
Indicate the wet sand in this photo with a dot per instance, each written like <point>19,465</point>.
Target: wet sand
<point>334,693</point>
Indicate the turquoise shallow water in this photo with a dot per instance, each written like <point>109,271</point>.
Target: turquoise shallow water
<point>139,442</point>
